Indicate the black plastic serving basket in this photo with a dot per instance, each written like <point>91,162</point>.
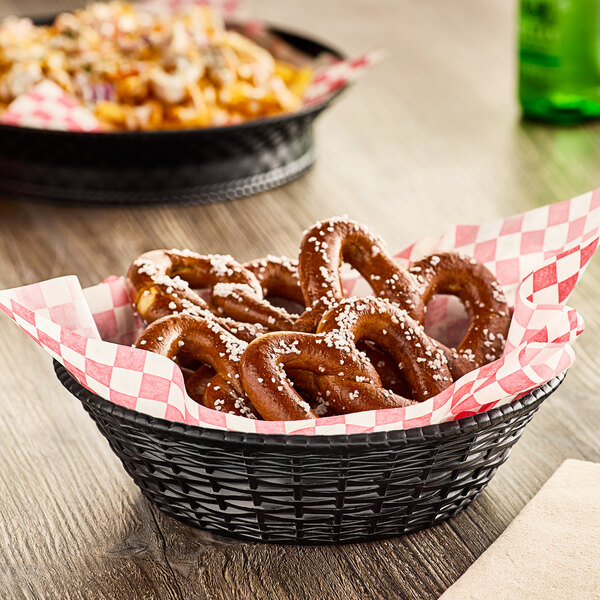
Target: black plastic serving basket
<point>310,489</point>
<point>195,166</point>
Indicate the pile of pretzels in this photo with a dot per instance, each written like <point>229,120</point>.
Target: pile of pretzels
<point>277,339</point>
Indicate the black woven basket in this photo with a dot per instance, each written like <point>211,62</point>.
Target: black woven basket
<point>310,489</point>
<point>196,166</point>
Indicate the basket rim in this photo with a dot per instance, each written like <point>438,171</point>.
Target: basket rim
<point>313,109</point>
<point>426,433</point>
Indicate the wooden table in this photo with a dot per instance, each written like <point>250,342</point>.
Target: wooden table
<point>429,138</point>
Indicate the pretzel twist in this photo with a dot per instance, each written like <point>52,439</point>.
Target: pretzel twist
<point>343,376</point>
<point>387,368</point>
<point>469,280</point>
<point>241,302</point>
<point>205,341</point>
<point>277,276</point>
<point>342,354</point>
<point>161,283</point>
<point>196,381</point>
<point>323,249</point>
<point>327,244</point>
<point>423,364</point>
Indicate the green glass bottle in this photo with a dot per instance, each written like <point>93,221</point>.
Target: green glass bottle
<point>559,74</point>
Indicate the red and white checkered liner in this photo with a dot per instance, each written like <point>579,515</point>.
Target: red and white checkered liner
<point>228,8</point>
<point>47,106</point>
<point>540,255</point>
<point>335,76</point>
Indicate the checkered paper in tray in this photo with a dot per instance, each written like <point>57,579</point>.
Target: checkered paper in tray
<point>47,106</point>
<point>538,257</point>
<point>228,8</point>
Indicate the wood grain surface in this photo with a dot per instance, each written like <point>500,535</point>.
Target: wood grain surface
<point>429,138</point>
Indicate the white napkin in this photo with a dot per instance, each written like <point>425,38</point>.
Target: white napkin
<point>550,551</point>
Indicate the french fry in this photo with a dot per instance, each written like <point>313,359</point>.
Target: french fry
<point>131,89</point>
<point>301,81</point>
<point>152,71</point>
<point>286,71</point>
<point>111,111</point>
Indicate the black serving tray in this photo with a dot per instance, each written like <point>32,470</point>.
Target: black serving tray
<point>296,489</point>
<point>197,166</point>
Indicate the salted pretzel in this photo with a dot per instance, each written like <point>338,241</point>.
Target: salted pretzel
<point>305,384</point>
<point>387,368</point>
<point>347,381</point>
<point>162,282</point>
<point>277,276</point>
<point>242,354</point>
<point>322,283</point>
<point>323,249</point>
<point>241,302</point>
<point>469,280</point>
<point>205,341</point>
<point>197,380</point>
<point>423,364</point>
<point>326,245</point>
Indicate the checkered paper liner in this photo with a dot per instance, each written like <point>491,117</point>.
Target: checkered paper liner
<point>538,257</point>
<point>228,8</point>
<point>48,106</point>
<point>338,74</point>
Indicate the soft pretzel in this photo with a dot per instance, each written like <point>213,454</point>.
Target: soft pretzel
<point>469,280</point>
<point>162,282</point>
<point>323,249</point>
<point>205,341</point>
<point>423,364</point>
<point>387,368</point>
<point>346,380</point>
<point>277,276</point>
<point>196,381</point>
<point>241,302</point>
<point>341,354</point>
<point>327,244</point>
